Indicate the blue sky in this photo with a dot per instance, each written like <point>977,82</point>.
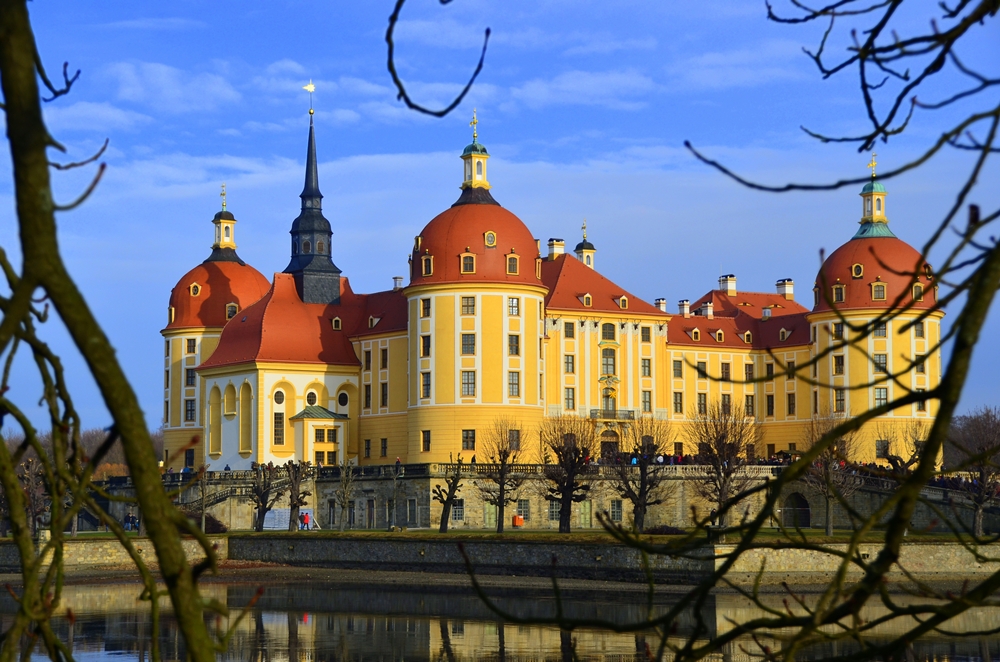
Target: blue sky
<point>583,105</point>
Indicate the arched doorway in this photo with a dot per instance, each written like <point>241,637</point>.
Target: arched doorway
<point>795,512</point>
<point>609,446</point>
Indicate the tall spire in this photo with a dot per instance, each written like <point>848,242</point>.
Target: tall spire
<point>311,197</point>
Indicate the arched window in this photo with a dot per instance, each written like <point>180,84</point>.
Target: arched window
<point>696,335</point>
<point>428,265</point>
<point>878,204</point>
<point>305,246</point>
<point>607,361</point>
<point>227,232</point>
<point>479,168</point>
<point>587,301</point>
<point>587,260</point>
<point>512,265</point>
<point>720,336</point>
<point>319,247</point>
<point>468,171</point>
<point>607,332</point>
<point>336,324</point>
<point>231,310</point>
<point>918,292</point>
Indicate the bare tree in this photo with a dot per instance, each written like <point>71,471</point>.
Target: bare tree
<point>499,481</point>
<point>976,438</point>
<point>572,441</point>
<point>723,436</point>
<point>447,495</point>
<point>640,476</point>
<point>831,473</point>
<point>37,499</point>
<point>297,472</point>
<point>343,493</point>
<point>266,491</point>
<point>901,445</point>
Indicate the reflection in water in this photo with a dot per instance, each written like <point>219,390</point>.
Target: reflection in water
<point>316,623</point>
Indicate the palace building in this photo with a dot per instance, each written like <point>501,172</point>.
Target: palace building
<point>489,325</point>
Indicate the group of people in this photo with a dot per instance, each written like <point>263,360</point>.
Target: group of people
<point>131,522</point>
<point>307,522</point>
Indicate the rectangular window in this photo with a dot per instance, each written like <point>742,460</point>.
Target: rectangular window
<point>702,403</point>
<point>791,404</point>
<point>839,401</point>
<point>383,394</point>
<point>425,440</point>
<point>468,343</point>
<point>702,369</point>
<point>616,510</point>
<point>838,365</point>
<point>468,305</point>
<point>411,511</point>
<point>320,436</point>
<point>554,511</point>
<point>838,295</point>
<point>368,447</point>
<point>458,510</point>
<point>383,449</point>
<point>189,377</point>
<point>514,307</point>
<point>468,264</point>
<point>569,364</point>
<point>607,361</point>
<point>279,429</point>
<point>569,330</point>
<point>189,410</point>
<point>921,404</point>
<point>514,345</point>
<point>514,384</point>
<point>880,330</point>
<point>320,458</point>
<point>514,439</point>
<point>919,365</point>
<point>727,404</point>
<point>425,346</point>
<point>469,383</point>
<point>189,458</point>
<point>524,509</point>
<point>468,440</point>
<point>918,330</point>
<point>647,401</point>
<point>725,374</point>
<point>770,405</point>
<point>880,362</point>
<point>647,367</point>
<point>191,345</point>
<point>166,410</point>
<point>769,370</point>
<point>881,448</point>
<point>383,358</point>
<point>425,307</point>
<point>645,334</point>
<point>570,399</point>
<point>368,396</point>
<point>881,396</point>
<point>678,402</point>
<point>678,369</point>
<point>166,348</point>
<point>792,448</point>
<point>748,372</point>
<point>790,366</point>
<point>425,385</point>
<point>368,359</point>
<point>748,406</point>
<point>838,331</point>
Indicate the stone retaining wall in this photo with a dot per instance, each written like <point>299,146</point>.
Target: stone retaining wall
<point>107,552</point>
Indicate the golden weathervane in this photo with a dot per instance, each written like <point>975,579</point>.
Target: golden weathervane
<point>223,196</point>
<point>872,164</point>
<point>473,124</point>
<point>584,227</point>
<point>310,88</point>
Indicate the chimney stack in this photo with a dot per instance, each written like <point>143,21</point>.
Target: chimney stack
<point>684,306</point>
<point>397,283</point>
<point>661,304</point>
<point>727,284</point>
<point>707,309</point>
<point>786,288</point>
<point>556,247</point>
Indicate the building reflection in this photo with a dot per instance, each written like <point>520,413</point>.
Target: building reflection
<point>316,623</point>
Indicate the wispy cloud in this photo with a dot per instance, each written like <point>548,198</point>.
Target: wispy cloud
<point>620,90</point>
<point>768,62</point>
<point>172,90</point>
<point>605,44</point>
<point>156,24</point>
<point>90,116</point>
<point>454,35</point>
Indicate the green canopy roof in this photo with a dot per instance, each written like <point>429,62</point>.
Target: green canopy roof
<point>315,411</point>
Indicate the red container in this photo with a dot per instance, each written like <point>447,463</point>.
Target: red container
<point>517,520</point>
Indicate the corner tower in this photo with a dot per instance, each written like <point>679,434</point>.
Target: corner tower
<point>317,278</point>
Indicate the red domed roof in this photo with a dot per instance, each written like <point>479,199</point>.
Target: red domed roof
<point>219,283</point>
<point>463,229</point>
<point>883,260</point>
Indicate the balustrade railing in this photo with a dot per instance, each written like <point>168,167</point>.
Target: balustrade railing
<point>613,414</point>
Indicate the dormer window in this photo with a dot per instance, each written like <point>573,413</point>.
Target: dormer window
<point>918,292</point>
<point>748,337</point>
<point>695,334</point>
<point>623,302</point>
<point>587,301</point>
<point>512,265</point>
<point>427,265</point>
<point>468,263</point>
<point>231,310</point>
<point>372,321</point>
<point>878,292</point>
<point>782,335</point>
<point>838,294</point>
<point>720,336</point>
<point>336,324</point>
<point>857,270</point>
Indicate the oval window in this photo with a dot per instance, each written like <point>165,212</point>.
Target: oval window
<point>342,400</point>
<point>195,290</point>
<point>279,397</point>
<point>311,398</point>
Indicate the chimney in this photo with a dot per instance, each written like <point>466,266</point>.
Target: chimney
<point>661,304</point>
<point>707,309</point>
<point>727,284</point>
<point>397,283</point>
<point>786,288</point>
<point>684,307</point>
<point>556,247</point>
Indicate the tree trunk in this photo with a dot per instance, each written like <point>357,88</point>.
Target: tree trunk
<point>565,513</point>
<point>829,516</point>
<point>259,519</point>
<point>445,516</point>
<point>501,503</point>
<point>977,521</point>
<point>343,517</point>
<point>293,518</point>
<point>639,516</point>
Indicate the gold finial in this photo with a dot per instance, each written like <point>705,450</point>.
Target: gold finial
<point>223,196</point>
<point>873,164</point>
<point>585,229</point>
<point>473,124</point>
<point>310,88</point>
